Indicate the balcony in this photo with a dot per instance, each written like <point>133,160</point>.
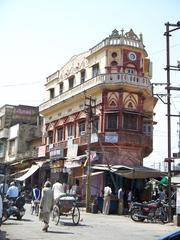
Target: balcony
<point>120,78</point>
<point>4,133</point>
<point>28,154</point>
<point>124,138</point>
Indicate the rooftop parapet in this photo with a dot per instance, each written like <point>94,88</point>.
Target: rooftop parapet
<point>116,38</point>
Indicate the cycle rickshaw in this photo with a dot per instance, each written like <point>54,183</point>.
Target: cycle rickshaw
<point>66,206</point>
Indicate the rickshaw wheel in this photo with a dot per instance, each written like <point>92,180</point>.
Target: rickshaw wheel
<point>56,214</point>
<point>76,215</point>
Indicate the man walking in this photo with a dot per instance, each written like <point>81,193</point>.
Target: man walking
<point>46,205</point>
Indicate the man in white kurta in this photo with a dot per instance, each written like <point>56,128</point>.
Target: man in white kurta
<point>107,199</point>
<point>58,190</point>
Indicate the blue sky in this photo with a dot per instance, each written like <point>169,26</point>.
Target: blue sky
<point>39,36</point>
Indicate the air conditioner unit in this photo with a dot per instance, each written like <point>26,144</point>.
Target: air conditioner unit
<point>83,133</point>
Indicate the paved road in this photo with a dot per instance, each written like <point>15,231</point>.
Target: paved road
<point>91,226</point>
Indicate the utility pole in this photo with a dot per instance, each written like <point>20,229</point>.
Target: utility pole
<point>169,28</point>
<point>90,109</point>
<point>179,134</point>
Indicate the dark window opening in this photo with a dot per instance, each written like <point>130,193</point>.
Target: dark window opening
<point>59,134</point>
<point>130,121</point>
<point>82,127</point>
<point>95,70</point>
<point>112,121</point>
<point>114,54</point>
<point>50,137</point>
<point>70,130</point>
<point>51,92</point>
<point>61,86</point>
<point>71,82</point>
<point>83,73</point>
<point>114,63</point>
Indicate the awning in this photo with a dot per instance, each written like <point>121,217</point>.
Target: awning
<point>74,162</point>
<point>20,172</point>
<point>140,172</point>
<point>91,174</point>
<point>32,170</point>
<point>130,172</point>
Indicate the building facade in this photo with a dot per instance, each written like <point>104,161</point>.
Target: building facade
<point>107,91</point>
<point>20,137</point>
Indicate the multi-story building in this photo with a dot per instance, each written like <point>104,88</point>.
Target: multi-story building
<point>20,137</point>
<point>115,74</point>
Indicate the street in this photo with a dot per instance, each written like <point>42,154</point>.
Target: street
<point>100,226</point>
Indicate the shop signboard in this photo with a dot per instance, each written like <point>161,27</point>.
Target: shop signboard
<point>56,153</point>
<point>111,138</point>
<point>72,151</point>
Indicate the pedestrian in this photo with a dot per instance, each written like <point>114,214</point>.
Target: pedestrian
<point>3,188</point>
<point>107,199</point>
<point>121,201</point>
<point>13,191</point>
<point>36,195</point>
<point>46,205</point>
<point>76,190</point>
<point>58,190</point>
<point>162,194</point>
<point>129,199</point>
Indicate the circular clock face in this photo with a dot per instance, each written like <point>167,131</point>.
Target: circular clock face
<point>132,56</point>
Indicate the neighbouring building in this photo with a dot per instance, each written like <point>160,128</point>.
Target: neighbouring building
<point>20,137</point>
<point>110,83</point>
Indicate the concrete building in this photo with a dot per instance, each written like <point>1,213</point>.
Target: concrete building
<point>20,137</point>
<point>115,75</point>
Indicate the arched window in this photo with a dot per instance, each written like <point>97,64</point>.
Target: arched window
<point>114,63</point>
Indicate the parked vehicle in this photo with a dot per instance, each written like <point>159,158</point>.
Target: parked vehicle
<point>153,211</point>
<point>13,207</point>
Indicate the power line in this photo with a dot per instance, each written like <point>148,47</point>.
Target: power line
<point>21,84</point>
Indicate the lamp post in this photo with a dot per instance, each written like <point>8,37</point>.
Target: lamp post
<point>169,28</point>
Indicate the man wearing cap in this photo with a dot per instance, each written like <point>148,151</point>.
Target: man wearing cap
<point>12,191</point>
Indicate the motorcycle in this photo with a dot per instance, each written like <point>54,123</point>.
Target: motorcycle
<point>13,207</point>
<point>153,211</point>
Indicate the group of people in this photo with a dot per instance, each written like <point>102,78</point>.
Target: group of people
<point>122,195</point>
<point>45,197</point>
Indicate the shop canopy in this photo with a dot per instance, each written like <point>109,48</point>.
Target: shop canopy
<point>31,170</point>
<point>91,174</point>
<point>74,162</point>
<point>176,179</point>
<point>131,172</point>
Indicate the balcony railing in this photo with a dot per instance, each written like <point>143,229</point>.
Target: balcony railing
<point>132,138</point>
<point>117,41</point>
<point>120,78</point>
